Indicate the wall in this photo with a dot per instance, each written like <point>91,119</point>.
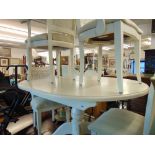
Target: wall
<point>17,53</point>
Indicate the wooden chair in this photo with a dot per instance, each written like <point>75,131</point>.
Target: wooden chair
<point>101,31</point>
<point>124,122</point>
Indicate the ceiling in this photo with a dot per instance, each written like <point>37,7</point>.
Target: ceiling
<point>13,32</point>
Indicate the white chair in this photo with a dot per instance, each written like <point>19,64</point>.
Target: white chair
<point>40,105</point>
<point>60,35</point>
<point>102,31</point>
<point>124,122</point>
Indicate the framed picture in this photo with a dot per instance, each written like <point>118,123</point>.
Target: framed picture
<point>4,61</point>
<point>64,60</point>
<point>112,63</point>
<point>105,60</point>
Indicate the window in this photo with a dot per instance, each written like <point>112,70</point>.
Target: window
<point>133,66</point>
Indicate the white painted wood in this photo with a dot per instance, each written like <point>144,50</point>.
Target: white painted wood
<point>118,42</point>
<point>51,58</point>
<point>64,129</point>
<point>29,51</point>
<point>68,92</point>
<point>68,114</point>
<point>119,27</point>
<point>81,63</point>
<point>77,116</point>
<point>149,125</point>
<point>130,123</point>
<point>34,119</point>
<point>130,31</point>
<point>38,115</point>
<point>66,89</point>
<point>137,47</point>
<point>99,62</point>
<point>53,115</point>
<point>71,63</point>
<point>58,63</point>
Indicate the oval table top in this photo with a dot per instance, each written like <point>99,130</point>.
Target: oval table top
<point>91,91</point>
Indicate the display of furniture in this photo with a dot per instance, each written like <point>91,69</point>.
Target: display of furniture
<point>68,92</point>
<point>118,121</point>
<point>100,31</point>
<point>40,105</point>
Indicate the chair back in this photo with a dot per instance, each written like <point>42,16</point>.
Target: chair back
<point>149,123</point>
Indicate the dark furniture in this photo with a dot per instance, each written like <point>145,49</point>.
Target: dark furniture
<point>138,105</point>
<point>150,61</point>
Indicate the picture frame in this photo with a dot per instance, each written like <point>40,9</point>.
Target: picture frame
<point>112,63</point>
<point>4,62</point>
<point>105,60</point>
<point>64,60</point>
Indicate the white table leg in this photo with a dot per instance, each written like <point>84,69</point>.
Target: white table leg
<point>77,116</point>
<point>118,41</point>
<point>71,127</point>
<point>81,63</point>
<point>137,46</point>
<point>99,62</point>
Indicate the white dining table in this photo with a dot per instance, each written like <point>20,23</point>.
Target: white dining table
<point>68,92</point>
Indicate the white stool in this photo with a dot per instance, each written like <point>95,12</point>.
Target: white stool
<point>40,105</point>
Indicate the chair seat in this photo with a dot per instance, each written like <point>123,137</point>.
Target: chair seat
<point>92,25</point>
<point>55,36</point>
<point>44,104</point>
<point>107,124</point>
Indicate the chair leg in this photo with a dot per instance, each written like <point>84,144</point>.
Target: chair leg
<point>71,63</point>
<point>34,119</point>
<point>29,52</point>
<point>99,62</point>
<point>38,114</point>
<point>81,63</point>
<point>137,58</point>
<point>68,114</point>
<point>58,62</point>
<point>118,40</point>
<point>52,72</point>
<point>53,115</point>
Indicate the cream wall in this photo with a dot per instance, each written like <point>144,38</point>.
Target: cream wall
<point>17,53</point>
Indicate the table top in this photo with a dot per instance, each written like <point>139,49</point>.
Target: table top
<point>91,91</point>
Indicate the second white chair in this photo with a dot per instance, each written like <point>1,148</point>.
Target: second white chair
<point>123,122</point>
<point>40,105</point>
